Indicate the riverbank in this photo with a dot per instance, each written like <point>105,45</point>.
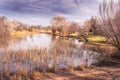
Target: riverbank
<point>103,70</point>
<point>93,38</point>
<point>96,73</point>
<point>91,73</point>
<point>23,33</point>
<point>27,65</point>
<point>96,42</point>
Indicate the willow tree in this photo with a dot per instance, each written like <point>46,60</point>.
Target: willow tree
<point>109,19</point>
<point>73,27</point>
<point>57,24</point>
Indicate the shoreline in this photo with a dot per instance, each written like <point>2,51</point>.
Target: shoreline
<point>103,70</point>
<point>95,41</point>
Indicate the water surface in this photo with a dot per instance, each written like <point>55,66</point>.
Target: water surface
<point>31,41</point>
<point>63,51</point>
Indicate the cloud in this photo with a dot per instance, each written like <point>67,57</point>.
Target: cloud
<point>48,8</point>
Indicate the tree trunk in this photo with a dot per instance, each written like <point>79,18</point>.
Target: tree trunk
<point>86,40</point>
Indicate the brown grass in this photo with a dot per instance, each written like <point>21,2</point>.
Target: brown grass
<point>19,64</point>
<point>30,64</point>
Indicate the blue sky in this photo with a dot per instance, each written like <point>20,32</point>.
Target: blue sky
<point>42,11</point>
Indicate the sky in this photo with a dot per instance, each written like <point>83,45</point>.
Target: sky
<point>41,12</point>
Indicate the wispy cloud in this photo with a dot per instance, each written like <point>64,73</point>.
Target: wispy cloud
<point>47,8</point>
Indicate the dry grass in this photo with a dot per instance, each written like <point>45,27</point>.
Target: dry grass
<point>19,64</point>
<point>30,64</point>
<point>22,33</point>
<point>46,31</point>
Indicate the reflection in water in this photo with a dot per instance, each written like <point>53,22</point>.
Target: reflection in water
<point>4,42</point>
<point>28,42</point>
<point>32,41</point>
<point>60,53</point>
<point>68,52</point>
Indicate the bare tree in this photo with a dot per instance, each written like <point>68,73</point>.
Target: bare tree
<point>73,27</point>
<point>4,28</point>
<point>57,24</point>
<point>21,27</point>
<point>93,22</point>
<point>84,30</point>
<point>109,14</point>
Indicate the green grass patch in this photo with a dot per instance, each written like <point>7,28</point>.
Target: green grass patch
<point>96,38</point>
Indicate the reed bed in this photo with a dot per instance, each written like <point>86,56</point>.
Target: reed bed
<point>64,55</point>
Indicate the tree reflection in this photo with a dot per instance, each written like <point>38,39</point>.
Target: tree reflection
<point>4,42</point>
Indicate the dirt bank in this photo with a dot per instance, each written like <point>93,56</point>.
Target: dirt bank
<point>95,73</point>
